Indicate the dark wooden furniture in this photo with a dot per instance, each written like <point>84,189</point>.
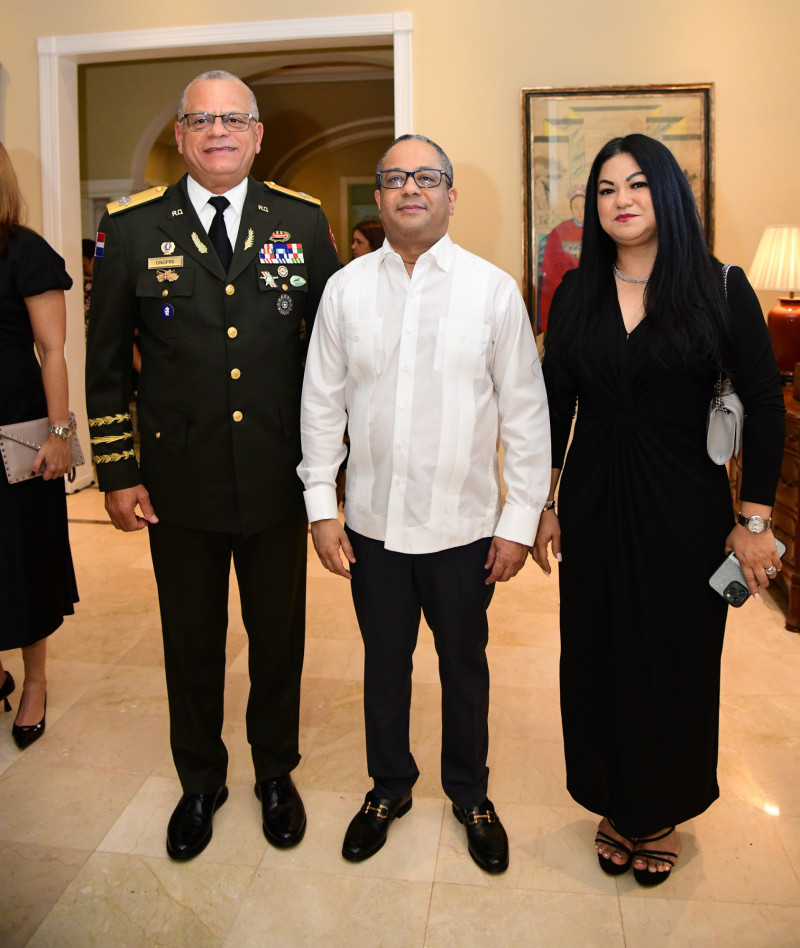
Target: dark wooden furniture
<point>785,521</point>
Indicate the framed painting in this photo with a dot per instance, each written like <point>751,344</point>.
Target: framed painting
<point>563,129</point>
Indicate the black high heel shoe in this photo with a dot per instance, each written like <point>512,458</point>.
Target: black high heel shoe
<point>26,734</point>
<point>6,689</point>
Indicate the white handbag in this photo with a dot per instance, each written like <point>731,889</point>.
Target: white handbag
<point>21,442</point>
<point>725,414</point>
<point>725,422</point>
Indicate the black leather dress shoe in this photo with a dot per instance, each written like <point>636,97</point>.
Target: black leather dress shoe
<point>189,829</point>
<point>282,811</point>
<point>486,838</point>
<point>367,830</point>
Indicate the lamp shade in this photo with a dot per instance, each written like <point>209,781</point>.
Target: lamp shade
<point>776,265</point>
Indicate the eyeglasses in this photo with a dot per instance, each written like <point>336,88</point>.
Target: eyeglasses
<point>424,177</point>
<point>204,121</point>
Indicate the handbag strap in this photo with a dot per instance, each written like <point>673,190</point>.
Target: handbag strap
<point>725,268</point>
<point>720,377</point>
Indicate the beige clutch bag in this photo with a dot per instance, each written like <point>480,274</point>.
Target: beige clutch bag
<point>20,443</point>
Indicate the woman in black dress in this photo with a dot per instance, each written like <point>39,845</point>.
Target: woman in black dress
<point>37,582</point>
<point>636,336</point>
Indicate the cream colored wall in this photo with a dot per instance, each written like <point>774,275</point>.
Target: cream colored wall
<point>321,177</point>
<point>470,61</point>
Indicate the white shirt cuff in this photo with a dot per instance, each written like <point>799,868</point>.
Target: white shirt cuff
<point>518,524</point>
<point>321,503</point>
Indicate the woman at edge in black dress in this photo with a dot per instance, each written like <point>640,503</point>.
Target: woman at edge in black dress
<point>37,581</point>
<point>636,336</point>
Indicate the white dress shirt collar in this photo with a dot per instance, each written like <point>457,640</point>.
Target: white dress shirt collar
<point>443,251</point>
<point>199,196</point>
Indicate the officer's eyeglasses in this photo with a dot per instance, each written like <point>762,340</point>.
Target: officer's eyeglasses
<point>424,177</point>
<point>204,121</point>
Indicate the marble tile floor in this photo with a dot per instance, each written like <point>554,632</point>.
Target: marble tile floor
<point>83,812</point>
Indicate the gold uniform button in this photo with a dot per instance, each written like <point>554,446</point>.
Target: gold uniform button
<point>285,287</point>
<point>233,332</point>
<point>158,435</point>
<point>165,292</point>
<point>235,373</point>
<point>237,416</point>
<point>230,289</point>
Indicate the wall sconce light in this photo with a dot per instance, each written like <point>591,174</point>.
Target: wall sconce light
<point>776,266</point>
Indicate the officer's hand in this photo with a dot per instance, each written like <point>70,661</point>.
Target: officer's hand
<point>121,507</point>
<point>331,543</point>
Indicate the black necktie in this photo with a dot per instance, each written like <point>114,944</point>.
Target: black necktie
<point>218,232</point>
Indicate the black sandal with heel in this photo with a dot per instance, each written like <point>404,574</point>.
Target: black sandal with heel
<point>644,876</point>
<point>614,868</point>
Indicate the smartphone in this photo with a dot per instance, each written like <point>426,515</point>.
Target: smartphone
<point>729,580</point>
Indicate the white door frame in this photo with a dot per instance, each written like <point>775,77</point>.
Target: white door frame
<point>59,58</point>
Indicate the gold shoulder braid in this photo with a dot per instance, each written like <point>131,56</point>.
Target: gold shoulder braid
<point>300,195</point>
<point>134,200</point>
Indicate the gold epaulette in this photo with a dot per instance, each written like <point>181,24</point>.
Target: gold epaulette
<point>301,195</point>
<point>134,200</point>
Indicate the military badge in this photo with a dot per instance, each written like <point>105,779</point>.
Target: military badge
<point>281,236</point>
<point>281,253</point>
<point>169,275</point>
<point>269,279</point>
<point>285,304</point>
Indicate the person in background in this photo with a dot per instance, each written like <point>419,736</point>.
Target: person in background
<point>216,274</point>
<point>638,333</point>
<point>367,236</point>
<point>37,580</point>
<point>87,256</point>
<point>426,352</point>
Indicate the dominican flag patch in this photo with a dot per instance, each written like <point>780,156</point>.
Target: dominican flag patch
<point>100,244</point>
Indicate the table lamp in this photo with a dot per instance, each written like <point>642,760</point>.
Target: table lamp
<point>776,266</point>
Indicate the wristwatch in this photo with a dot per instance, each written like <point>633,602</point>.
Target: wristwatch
<point>755,524</point>
<point>61,431</point>
<point>549,505</point>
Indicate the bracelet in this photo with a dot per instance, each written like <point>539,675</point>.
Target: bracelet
<point>549,505</point>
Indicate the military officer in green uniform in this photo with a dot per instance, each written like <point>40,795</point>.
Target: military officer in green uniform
<point>217,274</point>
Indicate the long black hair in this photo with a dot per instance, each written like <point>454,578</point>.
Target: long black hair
<point>684,298</point>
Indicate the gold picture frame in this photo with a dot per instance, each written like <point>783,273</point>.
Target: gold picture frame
<point>563,129</point>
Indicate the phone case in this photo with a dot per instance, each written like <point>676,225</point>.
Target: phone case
<point>729,580</point>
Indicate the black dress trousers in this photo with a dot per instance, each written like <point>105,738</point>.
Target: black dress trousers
<point>192,569</point>
<point>390,593</point>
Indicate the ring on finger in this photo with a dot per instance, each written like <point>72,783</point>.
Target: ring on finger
<point>771,570</point>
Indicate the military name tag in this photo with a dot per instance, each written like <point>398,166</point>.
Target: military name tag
<point>163,263</point>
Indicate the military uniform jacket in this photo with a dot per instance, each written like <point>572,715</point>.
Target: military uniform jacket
<point>222,358</point>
